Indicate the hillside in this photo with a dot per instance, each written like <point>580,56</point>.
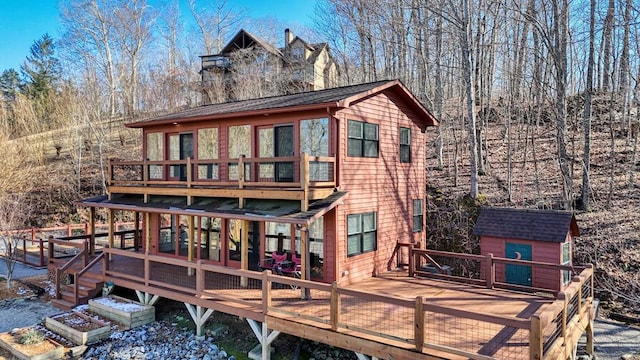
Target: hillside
<point>610,229</point>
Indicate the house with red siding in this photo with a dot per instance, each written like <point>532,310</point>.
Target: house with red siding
<point>544,236</point>
<point>334,178</point>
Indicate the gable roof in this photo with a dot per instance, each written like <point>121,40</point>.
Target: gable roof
<point>526,224</point>
<point>340,97</point>
<point>244,40</point>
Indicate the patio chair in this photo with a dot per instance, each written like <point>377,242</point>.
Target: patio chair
<point>273,263</point>
<point>293,267</point>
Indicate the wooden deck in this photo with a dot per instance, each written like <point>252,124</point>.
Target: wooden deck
<point>390,316</point>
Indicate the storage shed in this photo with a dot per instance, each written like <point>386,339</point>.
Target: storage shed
<point>535,235</point>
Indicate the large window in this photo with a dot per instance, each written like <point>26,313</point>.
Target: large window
<point>566,260</point>
<point>314,140</point>
<point>239,144</point>
<point>207,150</point>
<point>363,139</point>
<point>155,151</point>
<point>405,145</point>
<point>361,233</point>
<point>418,215</point>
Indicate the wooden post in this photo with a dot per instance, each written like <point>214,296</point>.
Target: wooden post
<point>189,180</point>
<point>412,260</point>
<point>199,278</point>
<point>418,332</point>
<point>41,248</point>
<point>241,180</point>
<point>334,309</point>
<point>92,230</point>
<point>50,247</point>
<point>589,330</point>
<point>110,229</point>
<point>109,178</point>
<point>190,241</point>
<point>147,235</point>
<point>490,268</point>
<point>304,181</point>
<point>244,248</point>
<point>136,231</point>
<point>535,338</point>
<point>266,291</point>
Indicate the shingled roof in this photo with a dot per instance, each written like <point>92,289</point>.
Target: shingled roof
<point>319,99</point>
<point>526,224</point>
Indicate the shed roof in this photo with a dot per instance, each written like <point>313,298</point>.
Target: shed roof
<point>526,224</point>
<point>285,211</point>
<point>340,97</point>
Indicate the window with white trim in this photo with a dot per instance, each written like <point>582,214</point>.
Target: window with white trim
<point>361,233</point>
<point>566,260</point>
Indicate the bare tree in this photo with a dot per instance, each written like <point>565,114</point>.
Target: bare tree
<point>88,29</point>
<point>14,212</point>
<point>214,19</point>
<point>586,159</point>
<point>133,20</point>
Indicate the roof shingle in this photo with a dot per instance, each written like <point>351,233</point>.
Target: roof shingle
<point>526,224</point>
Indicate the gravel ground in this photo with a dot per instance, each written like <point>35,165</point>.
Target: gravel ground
<point>20,270</point>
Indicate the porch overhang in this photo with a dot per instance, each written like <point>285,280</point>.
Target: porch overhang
<point>283,211</point>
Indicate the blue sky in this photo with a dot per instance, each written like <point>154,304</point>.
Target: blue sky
<point>24,21</point>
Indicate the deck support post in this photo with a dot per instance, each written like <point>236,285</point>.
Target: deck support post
<point>361,356</point>
<point>199,316</point>
<point>265,337</point>
<point>146,298</point>
<point>589,332</point>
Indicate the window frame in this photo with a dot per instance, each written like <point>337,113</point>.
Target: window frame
<point>405,145</point>
<point>363,139</point>
<point>420,215</point>
<point>565,274</point>
<point>360,235</point>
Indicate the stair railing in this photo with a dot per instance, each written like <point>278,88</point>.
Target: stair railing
<point>77,275</point>
<point>82,255</point>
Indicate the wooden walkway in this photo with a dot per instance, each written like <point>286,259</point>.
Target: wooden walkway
<point>392,315</point>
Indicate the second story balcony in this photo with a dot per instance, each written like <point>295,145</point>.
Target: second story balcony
<point>301,178</point>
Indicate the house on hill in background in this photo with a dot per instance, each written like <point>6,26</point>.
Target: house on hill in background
<point>250,67</point>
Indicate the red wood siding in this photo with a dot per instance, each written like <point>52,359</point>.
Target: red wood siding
<point>383,184</point>
<point>541,251</point>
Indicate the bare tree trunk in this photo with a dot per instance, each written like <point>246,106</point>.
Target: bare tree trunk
<point>606,45</point>
<point>467,65</point>
<point>559,51</point>
<point>586,117</point>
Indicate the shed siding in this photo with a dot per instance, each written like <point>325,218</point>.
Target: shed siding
<point>549,252</point>
<point>382,184</point>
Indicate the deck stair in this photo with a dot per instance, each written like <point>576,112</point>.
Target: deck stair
<point>86,281</point>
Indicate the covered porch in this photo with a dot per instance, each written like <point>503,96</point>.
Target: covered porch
<point>224,231</point>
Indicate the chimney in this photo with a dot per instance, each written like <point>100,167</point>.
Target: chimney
<point>288,37</point>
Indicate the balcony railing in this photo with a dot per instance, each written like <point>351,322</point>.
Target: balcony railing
<point>279,172</point>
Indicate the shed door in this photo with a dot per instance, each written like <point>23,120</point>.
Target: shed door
<point>518,274</point>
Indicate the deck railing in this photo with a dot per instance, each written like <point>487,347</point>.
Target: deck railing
<point>277,172</point>
<point>34,243</point>
<point>412,324</point>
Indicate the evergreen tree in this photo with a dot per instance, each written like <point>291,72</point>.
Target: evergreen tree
<point>42,69</point>
<point>10,84</point>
